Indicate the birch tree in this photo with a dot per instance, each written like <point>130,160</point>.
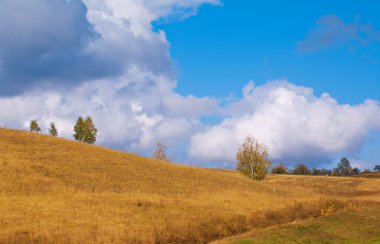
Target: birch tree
<point>252,159</point>
<point>160,153</point>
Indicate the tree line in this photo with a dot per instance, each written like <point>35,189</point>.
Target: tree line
<point>252,161</point>
<point>84,129</point>
<point>251,157</point>
<point>343,168</point>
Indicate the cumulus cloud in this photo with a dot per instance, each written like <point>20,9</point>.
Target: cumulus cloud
<point>61,59</point>
<point>296,125</point>
<point>139,15</point>
<point>63,43</point>
<point>132,114</point>
<point>42,40</point>
<point>331,31</point>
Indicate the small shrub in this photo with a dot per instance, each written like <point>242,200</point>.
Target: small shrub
<point>329,210</point>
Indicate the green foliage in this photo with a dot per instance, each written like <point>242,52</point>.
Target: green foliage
<point>53,130</point>
<point>336,172</point>
<point>280,169</point>
<point>90,131</point>
<point>79,129</point>
<point>356,171</point>
<point>377,168</point>
<point>34,126</point>
<point>345,167</point>
<point>316,171</point>
<point>160,153</point>
<point>301,169</point>
<point>85,130</point>
<point>252,159</point>
<point>326,171</point>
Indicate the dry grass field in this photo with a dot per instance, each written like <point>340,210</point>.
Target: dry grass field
<point>54,190</point>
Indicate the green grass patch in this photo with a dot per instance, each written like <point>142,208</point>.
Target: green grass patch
<point>347,227</point>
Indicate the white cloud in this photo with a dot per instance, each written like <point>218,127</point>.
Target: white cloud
<point>134,103</point>
<point>132,112</point>
<point>65,43</point>
<point>139,14</point>
<point>295,124</point>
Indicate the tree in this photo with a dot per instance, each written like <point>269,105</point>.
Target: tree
<point>344,166</point>
<point>79,129</point>
<point>326,172</point>
<point>90,131</point>
<point>336,172</point>
<point>85,130</point>
<point>34,126</point>
<point>356,171</point>
<point>377,168</point>
<point>280,169</point>
<point>301,169</point>
<point>53,130</point>
<point>316,171</point>
<point>160,153</point>
<point>252,159</point>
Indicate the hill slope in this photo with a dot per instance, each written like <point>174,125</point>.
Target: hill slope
<point>56,190</point>
<point>354,227</point>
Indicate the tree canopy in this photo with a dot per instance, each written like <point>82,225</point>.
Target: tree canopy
<point>34,126</point>
<point>53,130</point>
<point>85,130</point>
<point>252,159</point>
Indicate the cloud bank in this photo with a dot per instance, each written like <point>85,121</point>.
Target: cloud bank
<point>296,125</point>
<point>103,58</point>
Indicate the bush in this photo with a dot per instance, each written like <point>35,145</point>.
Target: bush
<point>252,159</point>
<point>377,168</point>
<point>329,210</point>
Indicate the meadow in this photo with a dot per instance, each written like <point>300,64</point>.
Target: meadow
<point>54,190</point>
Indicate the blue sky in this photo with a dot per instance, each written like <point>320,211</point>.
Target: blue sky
<point>222,48</point>
<point>199,75</point>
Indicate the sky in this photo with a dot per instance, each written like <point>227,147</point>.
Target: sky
<point>199,76</point>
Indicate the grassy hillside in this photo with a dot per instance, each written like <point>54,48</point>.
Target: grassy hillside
<point>56,190</point>
<point>353,227</point>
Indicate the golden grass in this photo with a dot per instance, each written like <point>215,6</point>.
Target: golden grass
<point>56,190</point>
